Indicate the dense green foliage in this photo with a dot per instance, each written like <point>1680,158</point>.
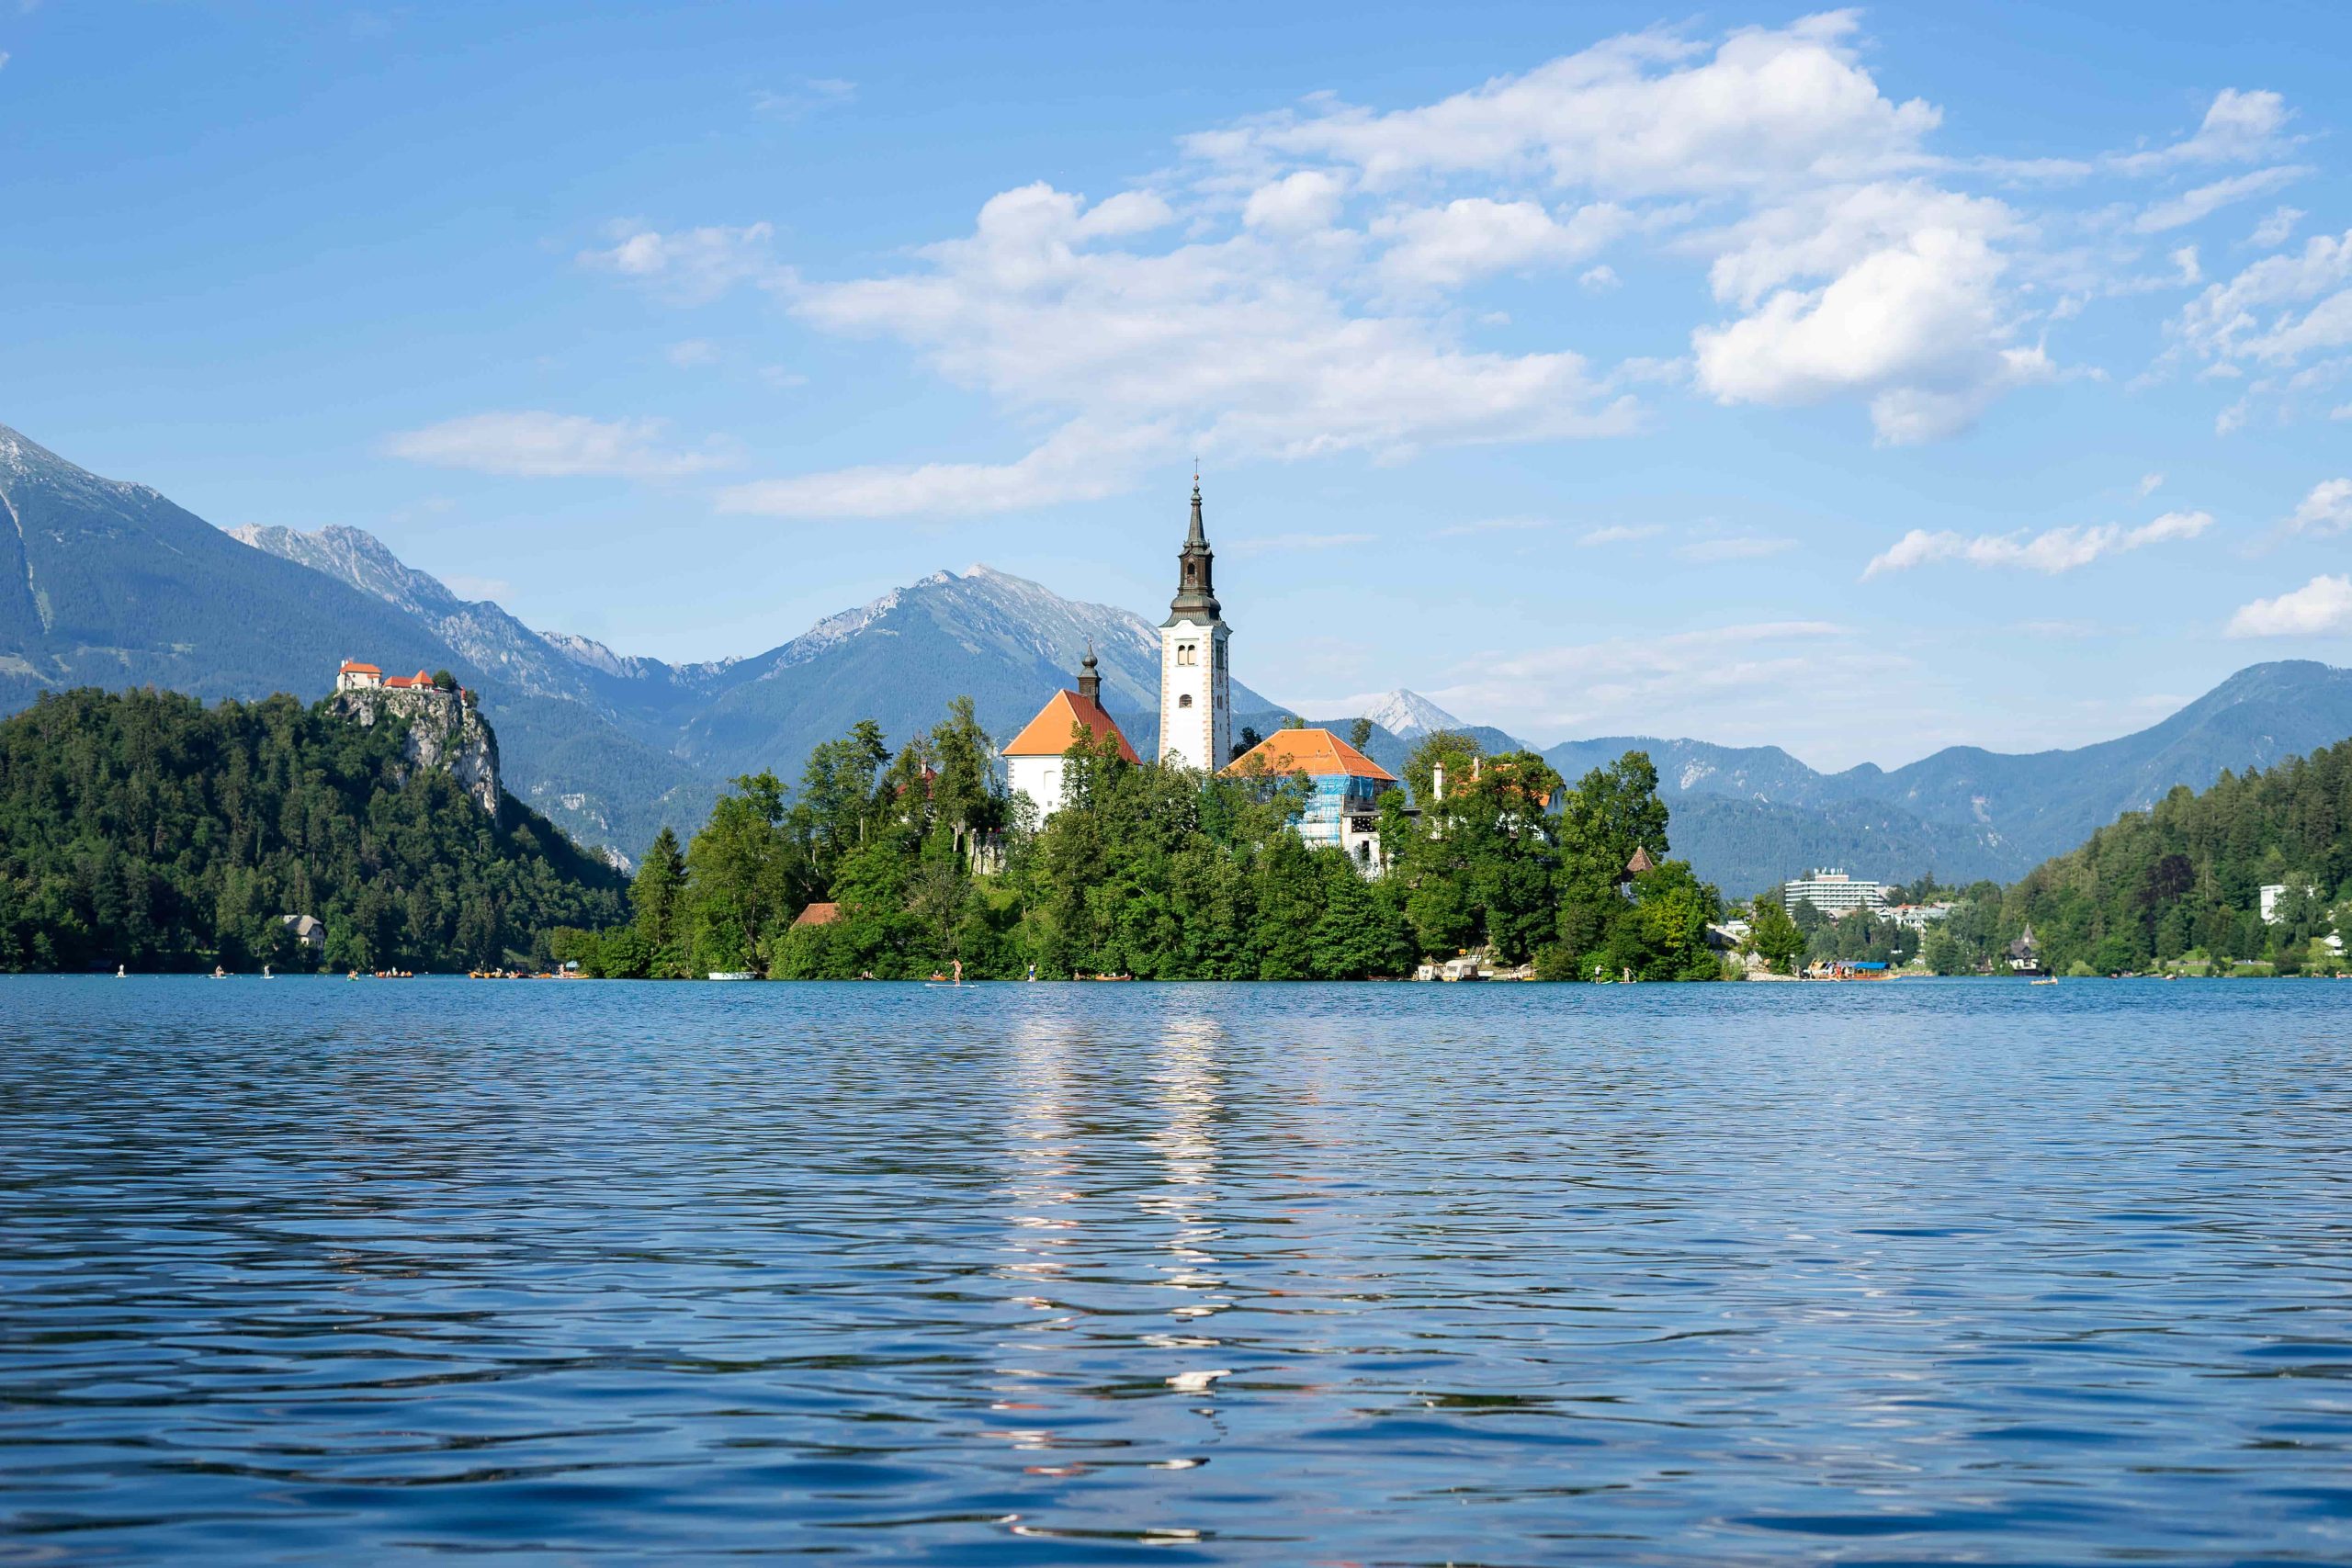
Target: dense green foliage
<point>2185,879</point>
<point>145,829</point>
<point>1155,872</point>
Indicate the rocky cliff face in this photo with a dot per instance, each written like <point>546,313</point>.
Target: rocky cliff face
<point>444,733</point>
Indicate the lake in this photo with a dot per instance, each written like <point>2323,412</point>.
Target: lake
<point>1933,1271</point>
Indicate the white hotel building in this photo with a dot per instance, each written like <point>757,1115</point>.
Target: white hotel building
<point>1833,893</point>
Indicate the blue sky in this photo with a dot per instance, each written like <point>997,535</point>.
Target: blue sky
<point>1860,382</point>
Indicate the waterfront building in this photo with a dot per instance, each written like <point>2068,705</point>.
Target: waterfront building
<point>1833,893</point>
<point>309,933</point>
<point>1195,685</point>
<point>1342,809</point>
<point>1033,759</point>
<point>2025,953</point>
<point>1917,916</point>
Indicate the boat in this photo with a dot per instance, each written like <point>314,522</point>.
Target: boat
<point>2052,980</point>
<point>732,975</point>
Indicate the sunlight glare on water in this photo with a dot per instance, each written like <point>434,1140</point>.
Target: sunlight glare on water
<point>1016,1274</point>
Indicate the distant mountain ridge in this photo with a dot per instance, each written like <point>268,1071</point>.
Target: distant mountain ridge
<point>1409,715</point>
<point>107,583</point>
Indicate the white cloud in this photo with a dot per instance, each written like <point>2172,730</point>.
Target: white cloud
<point>2185,259</point>
<point>2151,483</point>
<point>2207,199</point>
<point>1305,282</point>
<point>2272,231</point>
<point>1918,327</point>
<point>531,443</point>
<point>1642,115</point>
<point>691,266</point>
<point>1129,213</point>
<point>2054,550</point>
<point>1078,462</point>
<point>1219,339</point>
<point>1278,544</point>
<point>2323,604</point>
<point>1447,246</point>
<point>1296,203</point>
<point>1620,534</point>
<point>691,352</point>
<point>2239,126</point>
<point>2253,316</point>
<point>2326,510</point>
<point>1735,547</point>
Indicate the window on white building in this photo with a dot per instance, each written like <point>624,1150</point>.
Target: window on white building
<point>1184,700</point>
<point>1188,653</point>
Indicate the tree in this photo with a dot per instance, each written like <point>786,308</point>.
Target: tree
<point>1775,937</point>
<point>443,682</point>
<point>654,896</point>
<point>1359,734</point>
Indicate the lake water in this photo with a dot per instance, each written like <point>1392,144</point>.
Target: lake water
<point>312,1270</point>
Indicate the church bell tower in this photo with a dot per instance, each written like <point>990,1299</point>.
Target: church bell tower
<point>1195,689</point>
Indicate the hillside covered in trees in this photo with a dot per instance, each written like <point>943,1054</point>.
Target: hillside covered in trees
<point>1153,871</point>
<point>144,829</point>
<point>2184,878</point>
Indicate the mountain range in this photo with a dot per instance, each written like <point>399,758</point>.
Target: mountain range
<point>107,583</point>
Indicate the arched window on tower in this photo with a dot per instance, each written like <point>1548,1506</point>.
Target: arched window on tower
<point>1184,700</point>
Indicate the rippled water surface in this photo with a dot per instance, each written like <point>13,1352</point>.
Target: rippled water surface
<point>311,1270</point>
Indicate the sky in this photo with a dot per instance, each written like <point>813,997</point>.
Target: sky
<point>1860,382</point>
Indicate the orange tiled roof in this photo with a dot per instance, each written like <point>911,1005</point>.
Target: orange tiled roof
<point>353,667</point>
<point>1640,862</point>
<point>1318,753</point>
<point>1047,735</point>
<point>819,915</point>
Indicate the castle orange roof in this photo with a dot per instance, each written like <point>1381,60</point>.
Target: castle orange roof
<point>1318,753</point>
<point>819,914</point>
<point>353,667</point>
<point>1047,735</point>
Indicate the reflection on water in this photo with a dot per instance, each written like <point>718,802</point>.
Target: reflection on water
<point>1035,1273</point>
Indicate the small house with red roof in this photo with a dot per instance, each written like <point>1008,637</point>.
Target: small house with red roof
<point>357,677</point>
<point>1033,759</point>
<point>1343,808</point>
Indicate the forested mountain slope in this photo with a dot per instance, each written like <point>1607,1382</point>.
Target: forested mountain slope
<point>2188,872</point>
<point>146,828</point>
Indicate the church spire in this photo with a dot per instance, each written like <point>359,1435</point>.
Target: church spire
<point>1090,685</point>
<point>1196,590</point>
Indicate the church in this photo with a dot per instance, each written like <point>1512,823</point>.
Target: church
<point>1195,689</point>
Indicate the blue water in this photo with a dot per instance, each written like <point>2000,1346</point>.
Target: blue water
<point>316,1271</point>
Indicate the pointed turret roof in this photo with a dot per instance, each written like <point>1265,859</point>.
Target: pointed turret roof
<point>1195,571</point>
